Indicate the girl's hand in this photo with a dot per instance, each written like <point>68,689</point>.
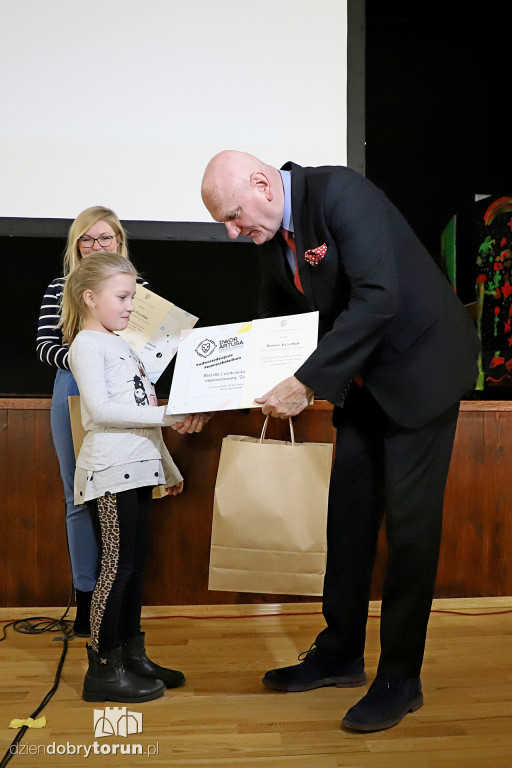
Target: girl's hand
<point>174,490</point>
<point>194,422</point>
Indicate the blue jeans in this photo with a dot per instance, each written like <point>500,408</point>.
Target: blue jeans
<point>82,545</point>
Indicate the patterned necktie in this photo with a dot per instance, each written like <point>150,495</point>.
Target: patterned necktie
<point>289,240</point>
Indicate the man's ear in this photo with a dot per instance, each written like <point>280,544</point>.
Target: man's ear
<point>261,182</point>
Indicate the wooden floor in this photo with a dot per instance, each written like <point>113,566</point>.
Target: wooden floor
<point>224,717</point>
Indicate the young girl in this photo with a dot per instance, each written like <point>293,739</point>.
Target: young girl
<point>94,230</point>
<point>122,457</point>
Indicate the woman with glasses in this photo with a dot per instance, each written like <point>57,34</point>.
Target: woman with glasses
<point>94,230</point>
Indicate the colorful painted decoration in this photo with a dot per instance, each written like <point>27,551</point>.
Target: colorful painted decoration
<point>494,294</point>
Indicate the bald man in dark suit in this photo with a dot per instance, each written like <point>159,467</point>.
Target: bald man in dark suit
<point>396,352</point>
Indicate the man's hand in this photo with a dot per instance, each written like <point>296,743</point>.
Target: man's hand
<point>288,398</point>
<point>193,422</point>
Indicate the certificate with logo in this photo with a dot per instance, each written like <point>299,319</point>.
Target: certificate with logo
<point>154,330</point>
<point>224,367</point>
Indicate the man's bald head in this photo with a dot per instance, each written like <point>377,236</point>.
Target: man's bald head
<point>244,193</point>
<point>228,170</point>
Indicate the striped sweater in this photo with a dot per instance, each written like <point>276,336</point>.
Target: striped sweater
<point>49,344</point>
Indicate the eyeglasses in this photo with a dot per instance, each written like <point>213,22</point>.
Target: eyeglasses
<point>88,242</point>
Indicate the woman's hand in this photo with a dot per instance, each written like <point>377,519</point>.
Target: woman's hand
<point>174,490</point>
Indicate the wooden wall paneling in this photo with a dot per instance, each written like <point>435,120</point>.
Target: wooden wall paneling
<point>462,563</point>
<point>379,567</point>
<point>19,508</point>
<point>51,555</point>
<point>495,531</point>
<point>475,550</point>
<point>181,524</point>
<point>3,484</point>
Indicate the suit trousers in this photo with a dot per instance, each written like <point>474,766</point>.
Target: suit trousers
<point>382,469</point>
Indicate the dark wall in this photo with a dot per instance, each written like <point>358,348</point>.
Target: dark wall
<point>218,282</point>
<point>437,105</point>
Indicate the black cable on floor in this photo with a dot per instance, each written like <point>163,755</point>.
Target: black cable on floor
<point>36,625</point>
<point>43,623</point>
<point>13,747</point>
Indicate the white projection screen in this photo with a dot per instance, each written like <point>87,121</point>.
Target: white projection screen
<point>122,102</point>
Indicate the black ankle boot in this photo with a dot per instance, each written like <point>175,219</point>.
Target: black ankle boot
<point>107,679</point>
<point>82,625</point>
<point>135,659</point>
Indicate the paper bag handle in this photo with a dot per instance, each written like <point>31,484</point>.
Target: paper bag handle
<point>292,433</point>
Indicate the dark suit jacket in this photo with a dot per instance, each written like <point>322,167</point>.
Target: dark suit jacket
<point>386,310</point>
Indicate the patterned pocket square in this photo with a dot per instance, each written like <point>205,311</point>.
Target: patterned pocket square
<point>315,255</point>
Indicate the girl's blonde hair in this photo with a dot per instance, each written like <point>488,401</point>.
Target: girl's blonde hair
<point>88,275</point>
<point>85,221</point>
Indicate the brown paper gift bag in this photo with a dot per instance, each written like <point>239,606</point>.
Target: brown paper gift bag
<point>270,516</point>
<point>75,417</point>
<point>78,434</point>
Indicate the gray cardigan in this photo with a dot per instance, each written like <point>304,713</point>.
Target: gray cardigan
<point>119,406</point>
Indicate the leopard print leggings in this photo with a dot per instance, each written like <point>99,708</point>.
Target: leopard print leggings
<point>122,523</point>
<point>109,522</point>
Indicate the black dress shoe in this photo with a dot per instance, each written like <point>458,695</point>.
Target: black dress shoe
<point>316,670</point>
<point>388,700</point>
